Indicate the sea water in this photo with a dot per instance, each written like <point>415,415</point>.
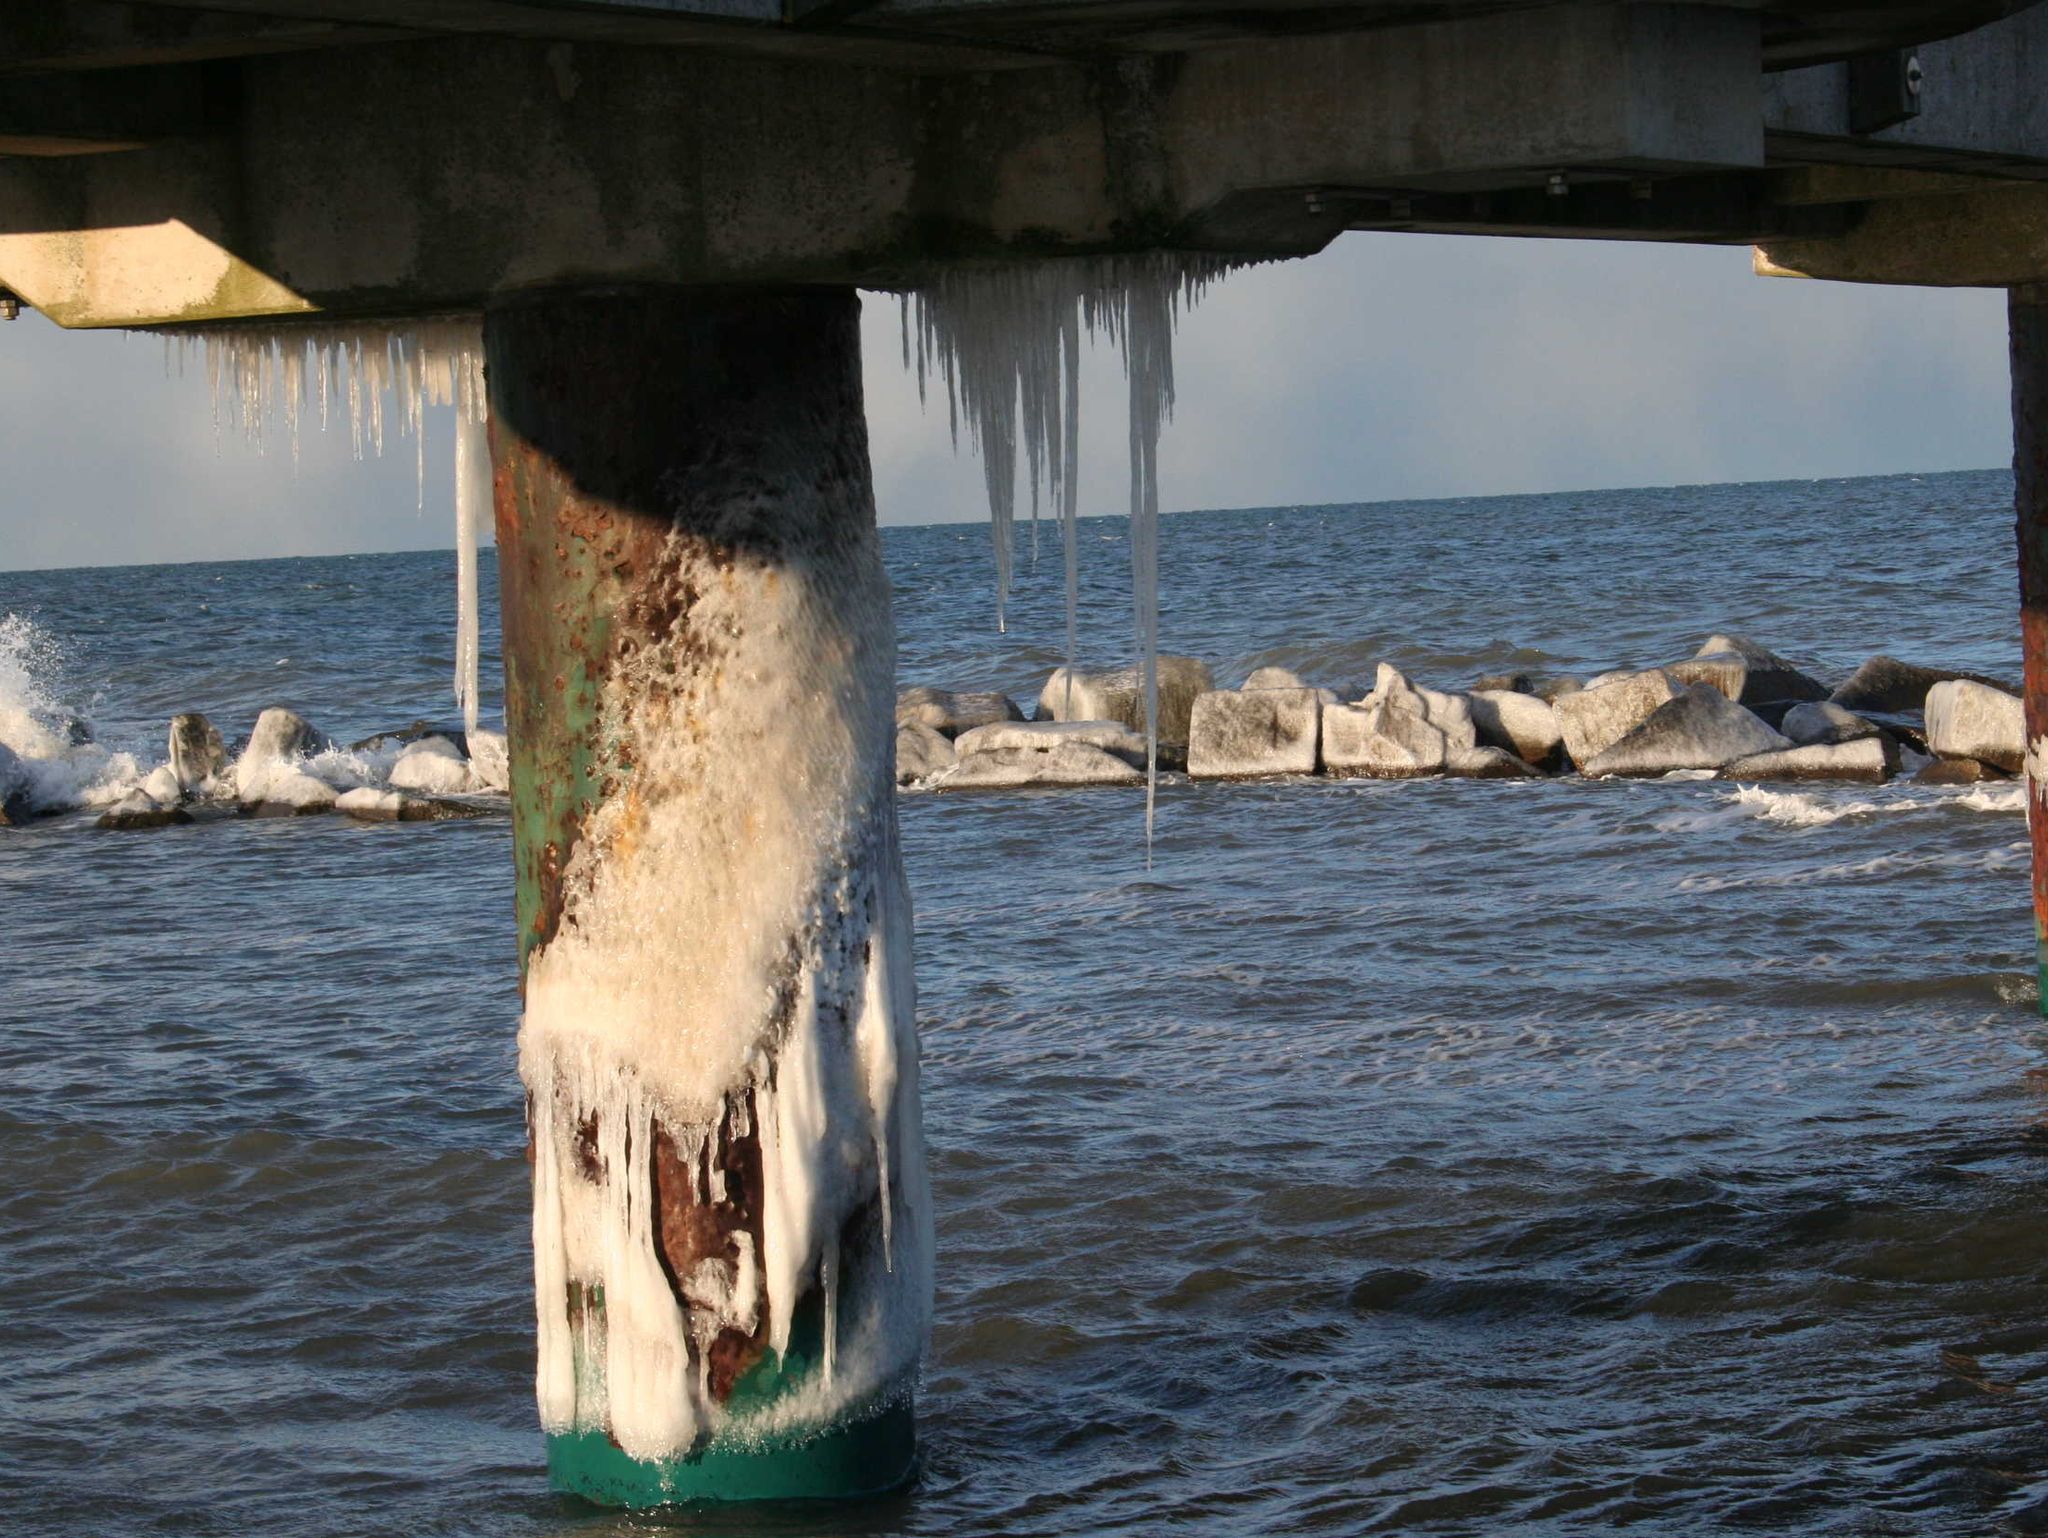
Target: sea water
<point>1428,1157</point>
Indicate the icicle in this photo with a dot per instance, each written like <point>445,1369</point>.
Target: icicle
<point>1008,342</point>
<point>828,1283</point>
<point>428,363</point>
<point>1070,496</point>
<point>472,475</point>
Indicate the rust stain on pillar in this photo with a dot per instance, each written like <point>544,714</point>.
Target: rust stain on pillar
<point>2027,312</point>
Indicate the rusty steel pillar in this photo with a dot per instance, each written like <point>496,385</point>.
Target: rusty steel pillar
<point>731,1226</point>
<point>2027,320</point>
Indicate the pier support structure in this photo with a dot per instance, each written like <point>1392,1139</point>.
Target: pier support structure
<point>2027,319</point>
<point>731,1231</point>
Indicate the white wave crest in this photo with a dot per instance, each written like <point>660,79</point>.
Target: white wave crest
<point>2008,797</point>
<point>1806,809</point>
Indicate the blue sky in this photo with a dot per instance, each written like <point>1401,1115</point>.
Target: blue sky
<point>1390,366</point>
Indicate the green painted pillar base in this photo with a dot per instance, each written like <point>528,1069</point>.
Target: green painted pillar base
<point>852,1460</point>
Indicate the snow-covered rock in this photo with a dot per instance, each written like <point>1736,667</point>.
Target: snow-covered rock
<point>138,809</point>
<point>952,712</point>
<point>1887,685</point>
<point>1973,720</point>
<point>1238,734</point>
<point>1120,696</point>
<point>1598,716</point>
<point>1746,673</point>
<point>1872,760</point>
<point>1823,721</point>
<point>197,753</point>
<point>282,790</point>
<point>1519,722</point>
<point>490,762</point>
<point>1111,737</point>
<point>1058,762</point>
<point>1699,729</point>
<point>921,752</point>
<point>161,786</point>
<point>369,804</point>
<point>433,765</point>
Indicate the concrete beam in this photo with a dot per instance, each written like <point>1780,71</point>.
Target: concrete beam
<point>1995,238</point>
<point>427,176</point>
<point>1980,108</point>
<point>43,36</point>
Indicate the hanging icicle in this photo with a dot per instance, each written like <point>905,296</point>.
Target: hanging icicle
<point>251,368</point>
<point>1008,341</point>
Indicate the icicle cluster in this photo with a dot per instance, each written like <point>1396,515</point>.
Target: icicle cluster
<point>250,368</point>
<point>1008,344</point>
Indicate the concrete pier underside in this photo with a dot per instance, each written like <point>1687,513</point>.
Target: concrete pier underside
<point>662,208</point>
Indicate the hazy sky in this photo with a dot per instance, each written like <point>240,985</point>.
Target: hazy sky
<point>1390,366</point>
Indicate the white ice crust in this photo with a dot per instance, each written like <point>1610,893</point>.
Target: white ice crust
<point>735,931</point>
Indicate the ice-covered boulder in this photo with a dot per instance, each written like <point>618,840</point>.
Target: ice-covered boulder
<point>197,754</point>
<point>1887,685</point>
<point>161,785</point>
<point>1272,678</point>
<point>1058,761</point>
<point>1823,721</point>
<point>1972,720</point>
<point>921,752</point>
<point>1957,771</point>
<point>1699,729</point>
<point>1519,722</point>
<point>1111,737</point>
<point>1381,741</point>
<point>1505,683</point>
<point>1450,714</point>
<point>13,787</point>
<point>282,733</point>
<point>1398,731</point>
<point>1598,716</point>
<point>1871,760</point>
<point>490,762</point>
<point>280,736</point>
<point>1487,763</point>
<point>1120,696</point>
<point>1746,673</point>
<point>953,712</point>
<point>282,790</point>
<point>138,809</point>
<point>369,804</point>
<point>1240,734</point>
<point>433,765</point>
<point>1544,686</point>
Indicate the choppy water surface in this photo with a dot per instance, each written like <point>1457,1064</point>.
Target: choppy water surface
<point>1439,1157</point>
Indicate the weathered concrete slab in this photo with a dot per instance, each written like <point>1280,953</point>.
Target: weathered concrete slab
<point>1592,720</point>
<point>1245,734</point>
<point>1699,729</point>
<point>1970,720</point>
<point>1869,760</point>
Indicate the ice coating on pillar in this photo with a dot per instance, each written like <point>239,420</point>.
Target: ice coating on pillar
<point>775,1050</point>
<point>719,1039</point>
<point>253,370</point>
<point>1007,341</point>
